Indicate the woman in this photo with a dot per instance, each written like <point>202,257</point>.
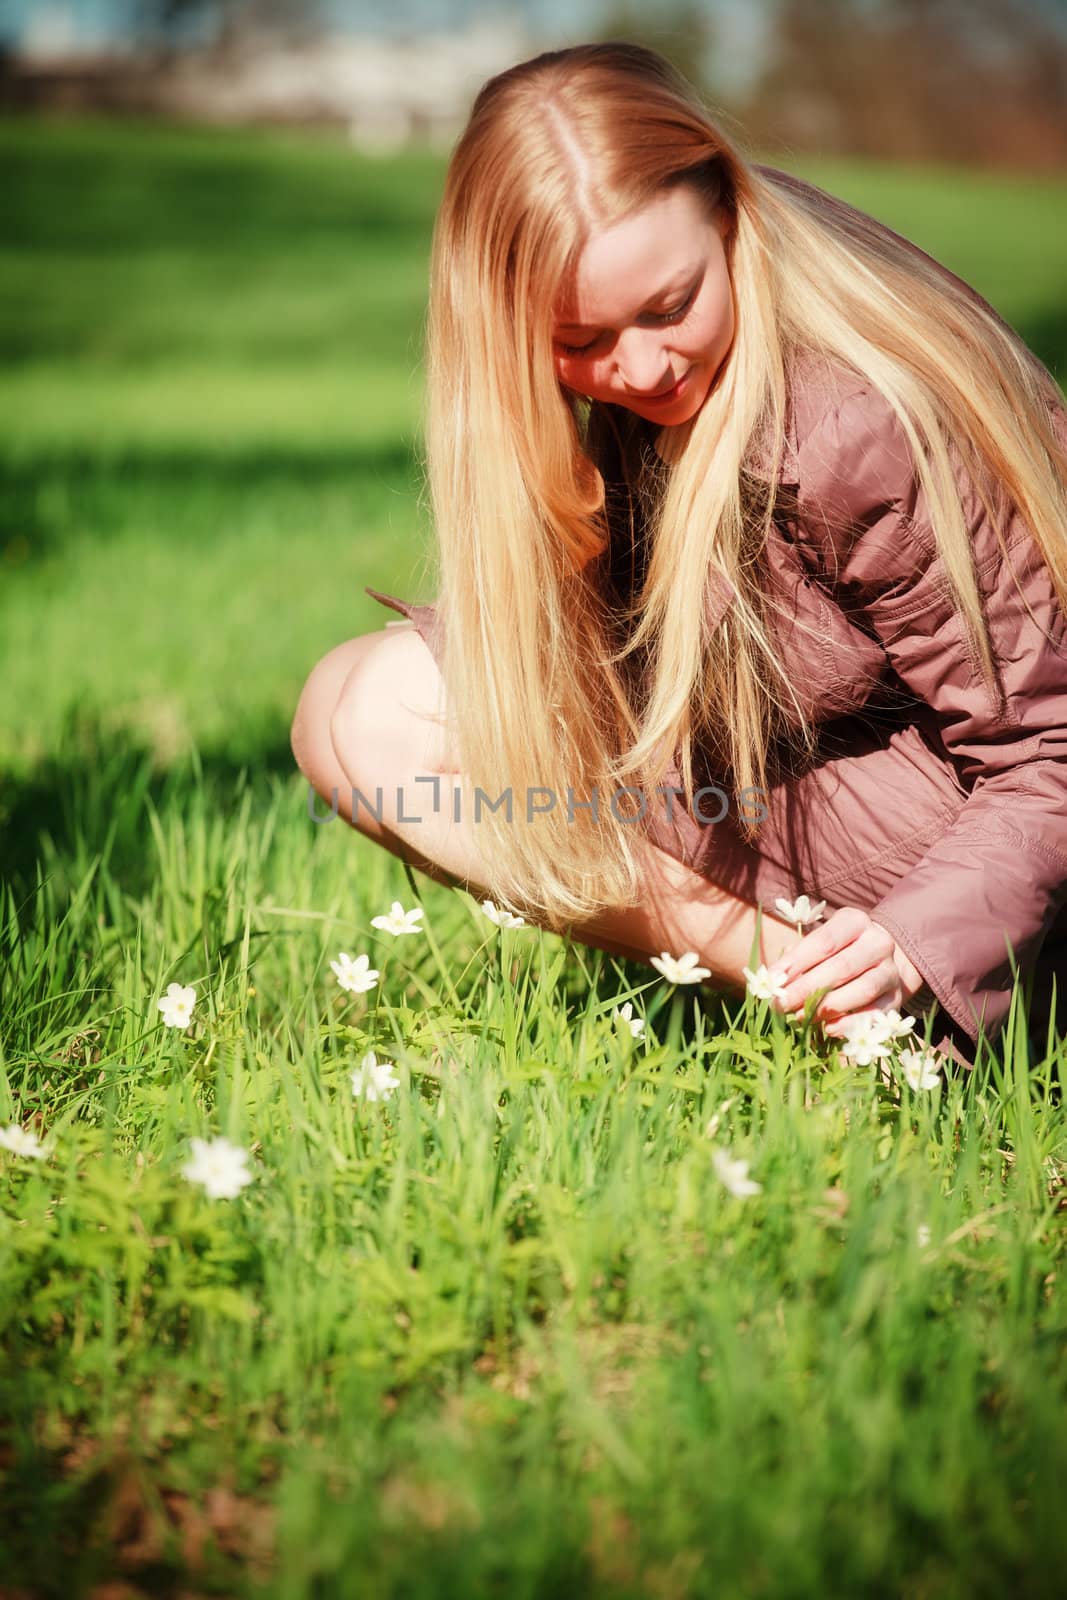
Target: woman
<point>740,498</point>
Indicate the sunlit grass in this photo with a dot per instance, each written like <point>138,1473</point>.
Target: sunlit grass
<point>475,1326</point>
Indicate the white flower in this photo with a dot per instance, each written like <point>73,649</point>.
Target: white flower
<point>922,1235</point>
<point>681,969</point>
<point>177,1005</point>
<point>502,917</point>
<point>733,1175</point>
<point>22,1142</point>
<point>713,1123</point>
<point>356,976</point>
<point>762,985</point>
<point>625,1014</point>
<point>921,1068</point>
<point>374,1078</point>
<point>897,1026</point>
<point>398,921</point>
<point>801,909</point>
<point>219,1166</point>
<point>865,1037</point>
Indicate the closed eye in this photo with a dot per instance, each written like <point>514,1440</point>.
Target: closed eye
<point>661,318</point>
<point>576,349</point>
<point>679,311</point>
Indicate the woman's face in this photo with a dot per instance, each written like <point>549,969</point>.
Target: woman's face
<point>648,320</point>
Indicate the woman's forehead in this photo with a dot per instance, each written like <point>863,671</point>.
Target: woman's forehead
<point>651,252</point>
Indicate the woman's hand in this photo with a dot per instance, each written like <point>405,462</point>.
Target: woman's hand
<point>857,960</point>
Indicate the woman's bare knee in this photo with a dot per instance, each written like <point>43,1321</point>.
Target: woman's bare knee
<point>310,733</point>
<point>388,721</point>
<point>369,720</point>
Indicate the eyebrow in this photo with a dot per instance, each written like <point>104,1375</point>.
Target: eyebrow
<point>676,281</point>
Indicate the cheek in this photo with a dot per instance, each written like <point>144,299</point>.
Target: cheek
<point>581,376</point>
<point>716,322</point>
<point>724,310</point>
<point>708,336</point>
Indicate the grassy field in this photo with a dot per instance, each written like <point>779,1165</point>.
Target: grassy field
<point>507,1330</point>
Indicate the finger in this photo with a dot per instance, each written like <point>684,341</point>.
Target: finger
<point>861,993</point>
<point>865,956</point>
<point>834,935</point>
<point>835,1024</point>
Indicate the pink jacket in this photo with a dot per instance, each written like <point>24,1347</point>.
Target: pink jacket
<point>941,814</point>
<point>961,840</point>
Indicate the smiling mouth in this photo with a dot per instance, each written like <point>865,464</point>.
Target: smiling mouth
<point>665,394</point>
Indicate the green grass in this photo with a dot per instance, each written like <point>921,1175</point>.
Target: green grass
<point>504,1332</point>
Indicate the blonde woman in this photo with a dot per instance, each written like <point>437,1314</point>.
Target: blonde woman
<point>752,528</point>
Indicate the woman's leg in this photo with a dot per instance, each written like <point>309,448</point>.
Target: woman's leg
<point>370,718</point>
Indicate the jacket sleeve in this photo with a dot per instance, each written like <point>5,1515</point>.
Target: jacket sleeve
<point>998,875</point>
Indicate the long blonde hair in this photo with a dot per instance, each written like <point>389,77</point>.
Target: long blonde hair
<point>551,687</point>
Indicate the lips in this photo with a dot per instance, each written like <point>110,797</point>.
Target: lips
<point>667,394</point>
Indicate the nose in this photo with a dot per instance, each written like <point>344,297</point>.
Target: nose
<point>642,361</point>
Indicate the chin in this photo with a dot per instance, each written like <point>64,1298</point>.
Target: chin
<point>684,410</point>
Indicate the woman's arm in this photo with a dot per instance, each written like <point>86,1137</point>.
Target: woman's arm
<point>997,877</point>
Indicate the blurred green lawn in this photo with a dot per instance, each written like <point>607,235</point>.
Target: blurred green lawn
<point>210,396</point>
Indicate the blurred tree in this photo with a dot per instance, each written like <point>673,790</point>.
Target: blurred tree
<point>681,32</point>
<point>980,81</point>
